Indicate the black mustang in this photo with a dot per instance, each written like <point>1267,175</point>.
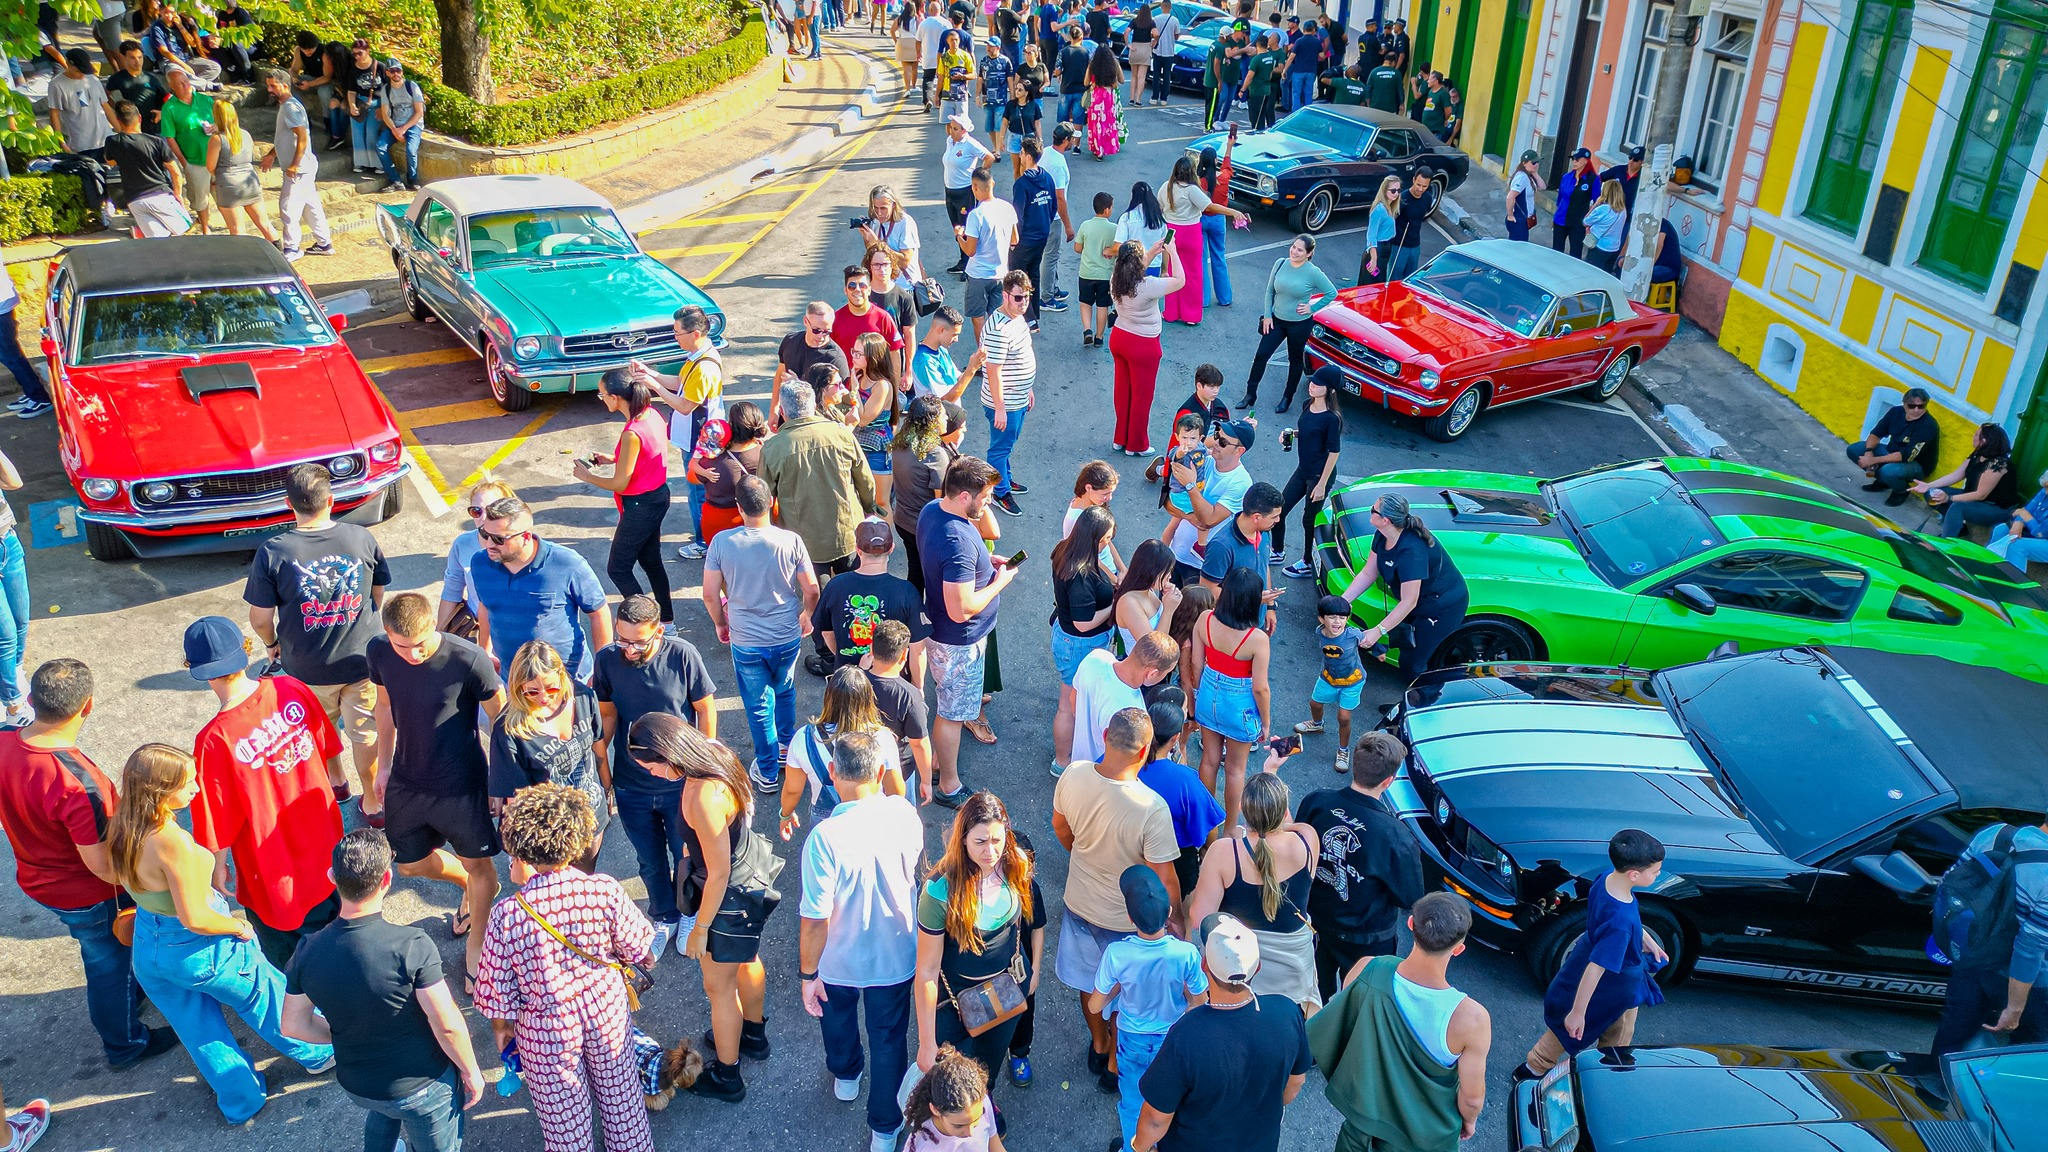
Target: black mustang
<point>1806,798</point>
<point>1329,158</point>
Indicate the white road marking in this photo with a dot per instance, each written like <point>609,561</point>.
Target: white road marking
<point>1609,408</point>
<point>1279,244</point>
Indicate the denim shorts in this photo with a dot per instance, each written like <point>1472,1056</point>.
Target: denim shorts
<point>878,462</point>
<point>1225,705</point>
<point>957,675</point>
<point>992,118</point>
<point>1345,696</point>
<point>1081,944</point>
<point>1068,650</point>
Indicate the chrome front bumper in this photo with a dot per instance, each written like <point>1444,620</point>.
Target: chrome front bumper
<point>171,520</point>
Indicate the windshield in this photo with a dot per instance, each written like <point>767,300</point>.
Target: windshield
<point>1808,761</point>
<point>1634,521</point>
<point>194,321</point>
<point>1506,299</point>
<point>2003,1094</point>
<point>1335,132</point>
<point>545,234</point>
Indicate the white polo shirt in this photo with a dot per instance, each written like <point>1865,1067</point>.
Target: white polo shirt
<point>861,868</point>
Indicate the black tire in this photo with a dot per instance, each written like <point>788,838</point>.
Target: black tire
<point>1488,640</point>
<point>1457,419</point>
<point>1610,381</point>
<point>394,501</point>
<point>1315,211</point>
<point>1440,183</point>
<point>413,303</point>
<point>509,398</point>
<point>106,543</point>
<point>1554,939</point>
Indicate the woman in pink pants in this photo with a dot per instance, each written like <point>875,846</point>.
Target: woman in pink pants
<point>1134,340</point>
<point>1183,203</point>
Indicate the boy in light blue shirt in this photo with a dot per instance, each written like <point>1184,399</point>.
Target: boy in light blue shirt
<point>1148,980</point>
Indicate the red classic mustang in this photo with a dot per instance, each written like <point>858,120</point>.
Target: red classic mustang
<point>190,375</point>
<point>1484,324</point>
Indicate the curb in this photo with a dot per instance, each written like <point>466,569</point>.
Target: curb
<point>1641,393</point>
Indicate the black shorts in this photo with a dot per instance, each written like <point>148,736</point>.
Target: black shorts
<point>1095,292</point>
<point>416,823</point>
<point>735,935</point>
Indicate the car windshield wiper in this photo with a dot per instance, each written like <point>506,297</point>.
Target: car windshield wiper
<point>1699,741</point>
<point>259,346</point>
<point>141,354</point>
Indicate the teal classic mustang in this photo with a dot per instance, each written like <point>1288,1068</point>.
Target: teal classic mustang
<point>538,275</point>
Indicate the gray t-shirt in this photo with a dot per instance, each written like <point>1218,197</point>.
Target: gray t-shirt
<point>78,105</point>
<point>764,606</point>
<point>291,114</point>
<point>400,102</point>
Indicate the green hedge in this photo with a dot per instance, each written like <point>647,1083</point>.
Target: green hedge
<point>576,109</point>
<point>41,206</point>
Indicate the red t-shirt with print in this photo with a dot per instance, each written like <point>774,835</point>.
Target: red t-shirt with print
<point>48,814</point>
<point>263,794</point>
<point>847,329</point>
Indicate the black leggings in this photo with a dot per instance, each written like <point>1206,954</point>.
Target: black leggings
<point>1027,1026</point>
<point>638,538</point>
<point>990,1048</point>
<point>1434,624</point>
<point>1293,333</point>
<point>909,539</point>
<point>1296,492</point>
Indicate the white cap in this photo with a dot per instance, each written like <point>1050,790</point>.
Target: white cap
<point>962,120</point>
<point>1229,949</point>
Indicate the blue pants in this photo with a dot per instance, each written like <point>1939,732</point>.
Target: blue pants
<point>654,827</point>
<point>1134,1053</point>
<point>13,615</point>
<point>191,978</point>
<point>888,1027</point>
<point>1953,515</point>
<point>1301,90</point>
<point>817,37</point>
<point>1215,259</point>
<point>1000,444</point>
<point>1406,261</point>
<point>411,172</point>
<point>17,363</point>
<point>1897,477</point>
<point>1074,108</point>
<point>695,492</point>
<point>2020,551</point>
<point>362,139</point>
<point>1219,105</point>
<point>767,679</point>
<point>112,998</point>
<point>431,1119</point>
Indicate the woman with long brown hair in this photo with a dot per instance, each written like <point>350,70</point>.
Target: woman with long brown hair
<point>849,706</point>
<point>1134,338</point>
<point>979,915</point>
<point>190,955</point>
<point>727,894</point>
<point>877,384</point>
<point>1083,607</point>
<point>1146,597</point>
<point>548,734</point>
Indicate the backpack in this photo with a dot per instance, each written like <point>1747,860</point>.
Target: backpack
<point>1975,914</point>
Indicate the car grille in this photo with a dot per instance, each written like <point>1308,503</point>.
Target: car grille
<point>228,487</point>
<point>1243,185</point>
<point>635,342</point>
<point>1379,362</point>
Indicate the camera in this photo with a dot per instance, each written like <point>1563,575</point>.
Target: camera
<point>1287,439</point>
<point>860,222</point>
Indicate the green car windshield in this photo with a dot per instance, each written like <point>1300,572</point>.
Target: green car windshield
<point>1632,521</point>
<point>545,234</point>
<point>1479,287</point>
<point>1338,133</point>
<point>196,321</point>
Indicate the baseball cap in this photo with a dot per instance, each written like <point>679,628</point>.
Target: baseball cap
<point>1636,153</point>
<point>213,648</point>
<point>1242,431</point>
<point>956,418</point>
<point>1229,949</point>
<point>1582,154</point>
<point>1329,376</point>
<point>1529,156</point>
<point>1144,897</point>
<point>1294,19</point>
<point>874,536</point>
<point>391,64</point>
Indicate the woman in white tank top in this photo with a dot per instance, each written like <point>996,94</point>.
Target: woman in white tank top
<point>1146,596</point>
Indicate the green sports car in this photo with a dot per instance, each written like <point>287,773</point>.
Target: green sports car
<point>1656,562</point>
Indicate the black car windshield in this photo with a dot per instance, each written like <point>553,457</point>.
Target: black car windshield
<point>545,234</point>
<point>1635,520</point>
<point>1808,760</point>
<point>1338,133</point>
<point>1476,286</point>
<point>196,321</point>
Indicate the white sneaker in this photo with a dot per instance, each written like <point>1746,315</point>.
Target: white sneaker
<point>684,927</point>
<point>846,1091</point>
<point>663,933</point>
<point>883,1141</point>
<point>1344,760</point>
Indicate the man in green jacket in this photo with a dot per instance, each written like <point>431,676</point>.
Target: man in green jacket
<point>820,480</point>
<point>1224,74</point>
<point>1406,1083</point>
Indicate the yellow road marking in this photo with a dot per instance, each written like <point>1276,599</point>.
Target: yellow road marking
<point>450,413</point>
<point>507,448</point>
<point>455,355</point>
<point>793,205</point>
<point>424,461</point>
<point>703,249</point>
<point>735,218</point>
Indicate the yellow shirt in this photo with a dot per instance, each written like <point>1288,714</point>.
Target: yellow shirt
<point>948,61</point>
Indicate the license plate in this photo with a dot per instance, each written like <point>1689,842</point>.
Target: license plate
<point>268,530</point>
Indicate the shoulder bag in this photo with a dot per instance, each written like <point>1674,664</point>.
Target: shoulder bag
<point>639,978</point>
<point>985,1004</point>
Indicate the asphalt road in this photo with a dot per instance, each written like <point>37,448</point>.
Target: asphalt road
<point>764,256</point>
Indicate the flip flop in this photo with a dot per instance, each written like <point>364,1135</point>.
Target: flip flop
<point>469,984</point>
<point>459,924</point>
<point>980,730</point>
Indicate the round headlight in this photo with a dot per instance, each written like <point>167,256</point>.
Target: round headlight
<point>1268,185</point>
<point>386,452</point>
<point>526,347</point>
<point>98,489</point>
<point>342,466</point>
<point>1430,379</point>
<point>159,492</point>
<point>717,328</point>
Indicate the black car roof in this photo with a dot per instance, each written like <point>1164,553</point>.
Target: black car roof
<point>1984,730</point>
<point>1367,115</point>
<point>174,262</point>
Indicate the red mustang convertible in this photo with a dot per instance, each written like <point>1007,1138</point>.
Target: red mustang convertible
<point>190,375</point>
<point>1488,323</point>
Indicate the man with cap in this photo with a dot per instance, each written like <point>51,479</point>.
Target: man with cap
<point>1630,173</point>
<point>961,158</point>
<point>401,116</point>
<point>1576,193</point>
<point>855,602</point>
<point>1383,85</point>
<point>264,801</point>
<point>1228,1067</point>
<point>1219,499</point>
<point>1403,1052</point>
<point>1396,42</point>
<point>1521,200</point>
<point>1150,980</point>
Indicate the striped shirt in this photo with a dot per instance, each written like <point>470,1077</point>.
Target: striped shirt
<point>1007,340</point>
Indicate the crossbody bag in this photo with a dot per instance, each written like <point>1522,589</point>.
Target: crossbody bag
<point>987,1003</point>
<point>638,978</point>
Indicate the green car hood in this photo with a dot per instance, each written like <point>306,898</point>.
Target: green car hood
<point>1490,522</point>
<point>581,295</point>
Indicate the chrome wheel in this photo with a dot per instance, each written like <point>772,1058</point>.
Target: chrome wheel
<point>1462,412</point>
<point>413,303</point>
<point>509,396</point>
<point>1611,380</point>
<point>1315,214</point>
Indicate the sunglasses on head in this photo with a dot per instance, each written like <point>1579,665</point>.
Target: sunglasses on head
<point>494,538</point>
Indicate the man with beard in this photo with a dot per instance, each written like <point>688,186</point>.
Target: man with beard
<point>648,669</point>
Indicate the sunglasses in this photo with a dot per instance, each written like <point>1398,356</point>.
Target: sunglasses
<point>1018,295</point>
<point>860,284</point>
<point>640,645</point>
<point>818,331</point>
<point>1226,442</point>
<point>1916,407</point>
<point>494,538</point>
<point>476,510</point>
<point>541,691</point>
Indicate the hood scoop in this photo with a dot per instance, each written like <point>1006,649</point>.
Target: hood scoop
<point>1495,508</point>
<point>232,376</point>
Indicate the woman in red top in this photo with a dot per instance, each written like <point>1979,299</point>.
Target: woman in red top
<point>638,483</point>
<point>1234,704</point>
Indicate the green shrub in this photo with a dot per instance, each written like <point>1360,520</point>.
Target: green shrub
<point>572,110</point>
<point>41,206</point>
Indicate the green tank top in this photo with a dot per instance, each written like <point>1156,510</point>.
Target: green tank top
<point>157,902</point>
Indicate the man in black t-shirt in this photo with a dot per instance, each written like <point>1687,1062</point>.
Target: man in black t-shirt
<point>900,700</point>
<point>1900,449</point>
<point>401,1046</point>
<point>1369,869</point>
<point>645,670</point>
<point>802,350</point>
<point>312,595</point>
<point>1098,22</point>
<point>429,689</point>
<point>853,603</point>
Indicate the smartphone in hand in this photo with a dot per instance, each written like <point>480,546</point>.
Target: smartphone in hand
<point>1284,746</point>
<point>1017,560</point>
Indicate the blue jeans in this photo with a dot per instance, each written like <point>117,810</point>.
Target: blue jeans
<point>1406,261</point>
<point>1074,108</point>
<point>1219,105</point>
<point>17,363</point>
<point>2018,551</point>
<point>1897,477</point>
<point>1134,1053</point>
<point>13,615</point>
<point>817,34</point>
<point>1215,259</point>
<point>1301,90</point>
<point>1000,444</point>
<point>888,1027</point>
<point>654,827</point>
<point>1953,515</point>
<point>412,153</point>
<point>112,998</point>
<point>431,1119</point>
<point>362,139</point>
<point>191,978</point>
<point>767,679</point>
<point>695,492</point>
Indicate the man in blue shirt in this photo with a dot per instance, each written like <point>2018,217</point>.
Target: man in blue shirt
<point>2001,993</point>
<point>932,370</point>
<point>1305,50</point>
<point>962,587</point>
<point>1241,542</point>
<point>1037,204</point>
<point>530,589</point>
<point>995,72</point>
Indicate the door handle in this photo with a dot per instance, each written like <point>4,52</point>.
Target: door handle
<point>1599,336</point>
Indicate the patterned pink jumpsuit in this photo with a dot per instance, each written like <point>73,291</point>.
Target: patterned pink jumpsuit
<point>572,1017</point>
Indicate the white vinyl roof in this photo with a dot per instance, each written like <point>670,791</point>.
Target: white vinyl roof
<point>471,195</point>
<point>1548,269</point>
